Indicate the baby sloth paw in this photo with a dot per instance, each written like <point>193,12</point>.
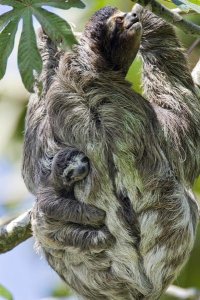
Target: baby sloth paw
<point>69,166</point>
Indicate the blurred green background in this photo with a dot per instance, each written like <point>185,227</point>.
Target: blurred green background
<point>14,197</point>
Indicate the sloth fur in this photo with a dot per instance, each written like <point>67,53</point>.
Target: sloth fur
<point>128,227</point>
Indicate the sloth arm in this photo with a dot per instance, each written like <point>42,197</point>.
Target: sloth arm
<point>73,235</point>
<point>169,87</point>
<point>67,208</point>
<point>37,129</point>
<point>76,224</point>
<point>59,234</point>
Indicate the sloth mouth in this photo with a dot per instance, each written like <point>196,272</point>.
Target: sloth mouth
<point>133,23</point>
<point>75,175</point>
<point>134,26</point>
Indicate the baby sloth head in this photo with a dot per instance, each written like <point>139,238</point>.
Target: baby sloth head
<point>115,35</point>
<point>69,166</point>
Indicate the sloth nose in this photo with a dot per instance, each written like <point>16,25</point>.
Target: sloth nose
<point>76,174</point>
<point>81,170</point>
<point>132,17</point>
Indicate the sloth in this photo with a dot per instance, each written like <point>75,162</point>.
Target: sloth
<point>68,166</point>
<point>57,201</point>
<point>124,227</point>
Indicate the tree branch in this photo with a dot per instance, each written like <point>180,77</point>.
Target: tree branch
<point>182,293</point>
<point>183,12</point>
<point>193,46</point>
<point>170,16</point>
<point>15,232</point>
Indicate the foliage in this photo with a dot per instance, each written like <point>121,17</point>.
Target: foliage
<point>5,293</point>
<point>29,60</point>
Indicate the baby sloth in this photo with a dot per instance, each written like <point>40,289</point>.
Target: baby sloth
<point>69,166</point>
<point>57,201</point>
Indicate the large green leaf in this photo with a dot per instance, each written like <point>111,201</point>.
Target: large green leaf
<point>29,60</point>
<point>7,39</point>
<point>28,56</point>
<point>55,27</point>
<point>6,18</point>
<point>5,293</point>
<point>61,4</point>
<point>9,16</point>
<point>13,3</point>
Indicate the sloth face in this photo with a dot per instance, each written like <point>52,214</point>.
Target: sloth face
<point>124,28</point>
<point>69,166</point>
<point>122,40</point>
<point>116,35</point>
<point>76,169</point>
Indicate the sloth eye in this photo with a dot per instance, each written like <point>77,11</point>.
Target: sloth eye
<point>119,20</point>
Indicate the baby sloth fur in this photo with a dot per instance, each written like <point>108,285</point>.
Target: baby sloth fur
<point>122,228</point>
<point>56,200</point>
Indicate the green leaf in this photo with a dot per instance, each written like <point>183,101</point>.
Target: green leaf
<point>62,4</point>
<point>5,293</point>
<point>55,27</point>
<point>29,59</point>
<point>7,39</point>
<point>9,16</point>
<point>6,18</point>
<point>13,3</point>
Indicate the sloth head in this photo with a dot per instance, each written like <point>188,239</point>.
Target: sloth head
<point>68,167</point>
<point>114,35</point>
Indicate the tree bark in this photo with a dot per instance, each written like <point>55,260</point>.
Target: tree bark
<point>15,232</point>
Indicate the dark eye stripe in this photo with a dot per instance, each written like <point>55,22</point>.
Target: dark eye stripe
<point>84,159</point>
<point>72,154</point>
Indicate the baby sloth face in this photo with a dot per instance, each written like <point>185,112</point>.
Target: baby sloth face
<point>76,169</point>
<point>69,166</point>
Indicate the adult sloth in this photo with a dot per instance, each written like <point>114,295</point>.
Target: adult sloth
<point>144,156</point>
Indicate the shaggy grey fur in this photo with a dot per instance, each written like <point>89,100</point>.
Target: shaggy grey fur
<point>125,230</point>
<point>57,201</point>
